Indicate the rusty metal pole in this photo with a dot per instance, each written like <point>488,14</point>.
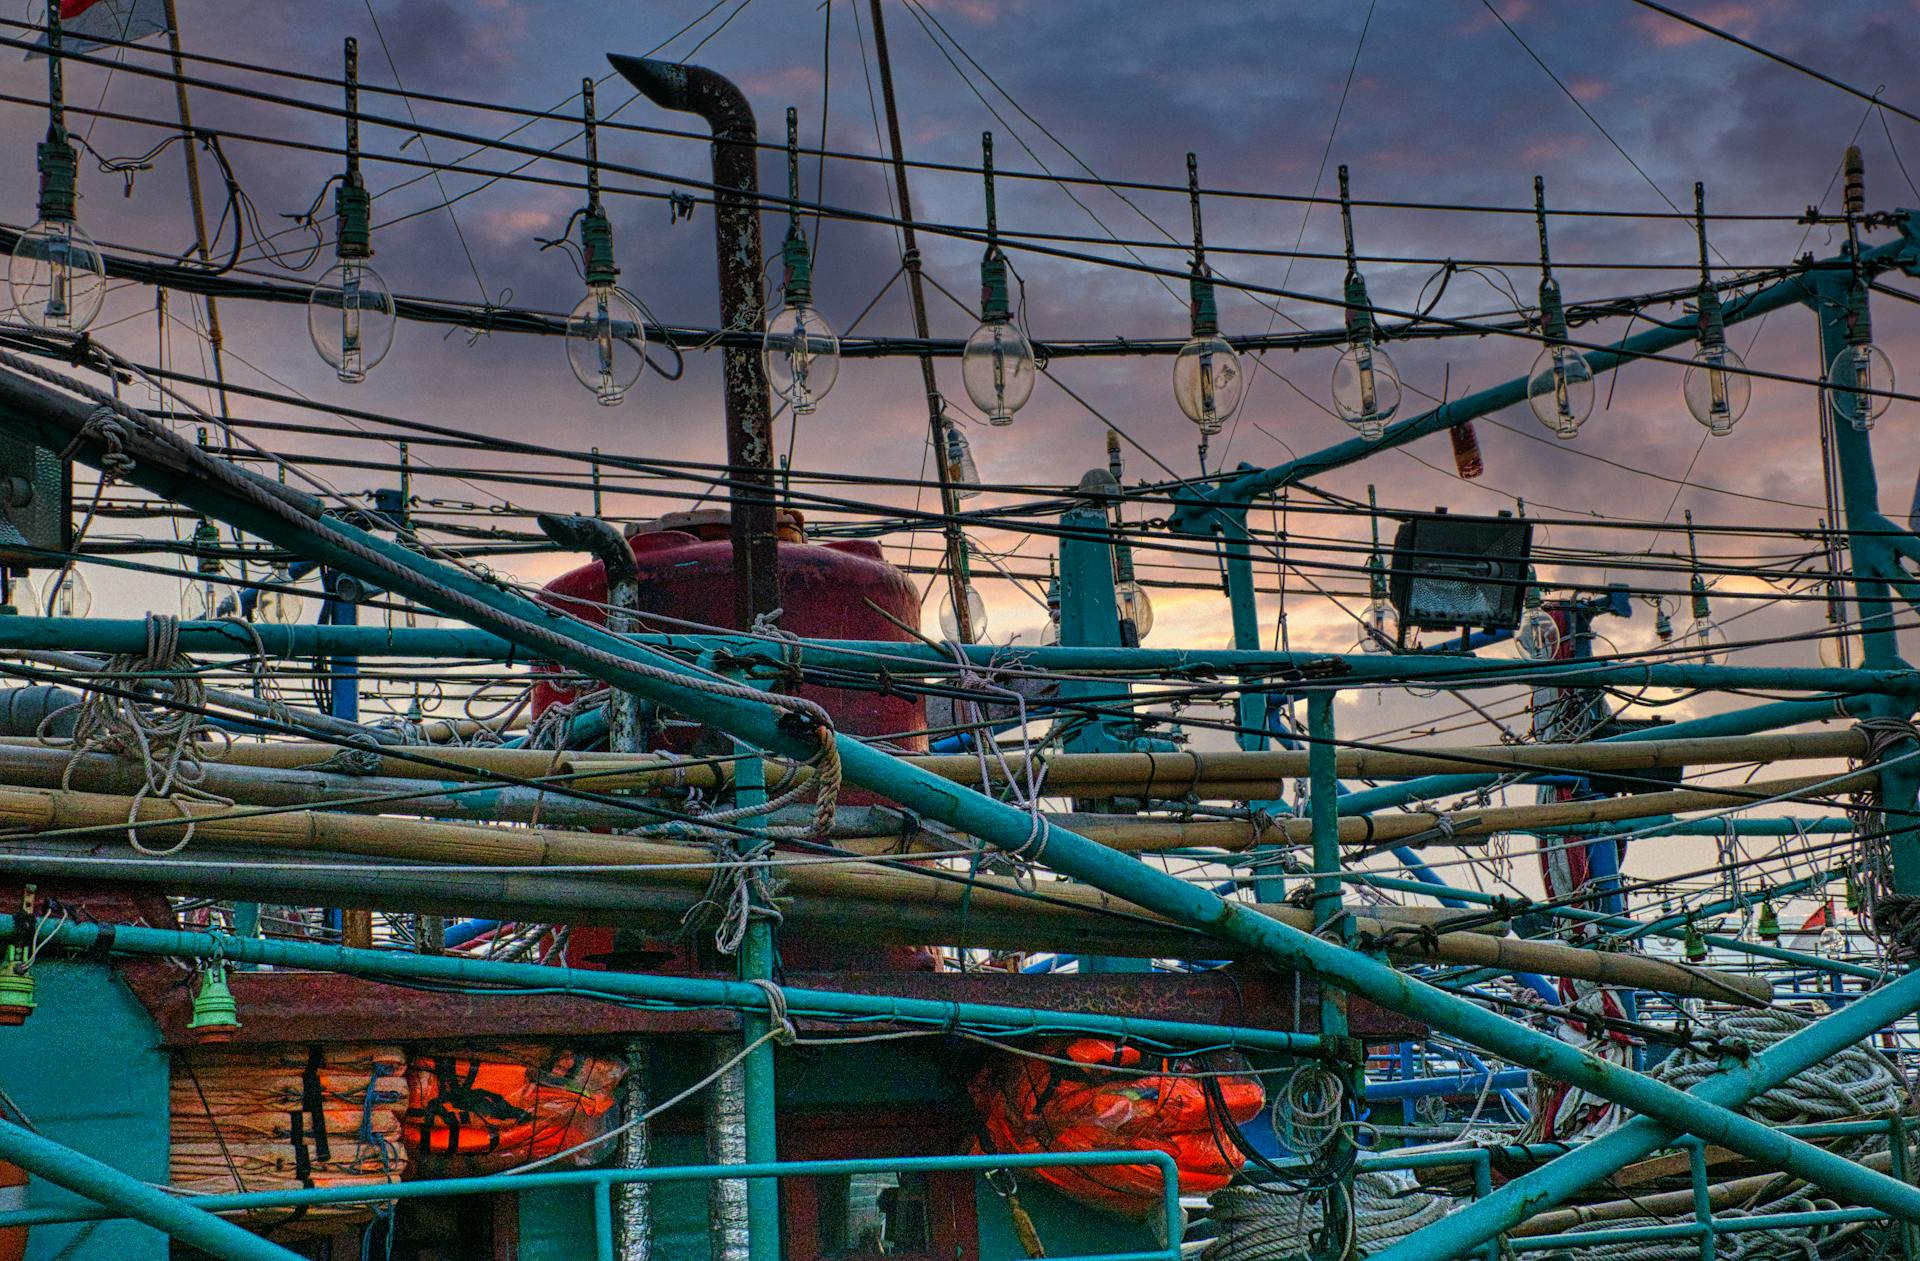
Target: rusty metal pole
<point>215,342</point>
<point>736,226</point>
<point>937,422</point>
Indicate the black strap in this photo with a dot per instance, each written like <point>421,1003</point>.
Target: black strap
<point>314,1100</point>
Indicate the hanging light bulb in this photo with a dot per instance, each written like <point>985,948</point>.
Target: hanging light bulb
<point>1366,387</point>
<point>1131,602</point>
<point>963,475</point>
<point>56,274</point>
<point>74,596</point>
<point>800,351</point>
<point>200,595</point>
<point>22,596</point>
<point>1560,385</point>
<point>606,335</point>
<point>1662,623</point>
<point>350,312</point>
<point>997,367</point>
<point>1207,381</point>
<point>281,608</point>
<point>1860,366</point>
<point>1538,635</point>
<point>1716,387</point>
<point>1050,635</point>
<point>976,615</point>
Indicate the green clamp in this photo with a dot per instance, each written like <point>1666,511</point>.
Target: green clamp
<point>1343,1049</point>
<point>1553,315</point>
<point>596,248</point>
<point>798,261</point>
<point>353,212</point>
<point>1359,309</point>
<point>59,171</point>
<point>1713,325</point>
<point>995,299</point>
<point>1206,313</point>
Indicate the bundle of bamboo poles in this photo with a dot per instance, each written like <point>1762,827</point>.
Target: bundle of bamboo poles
<point>850,900</point>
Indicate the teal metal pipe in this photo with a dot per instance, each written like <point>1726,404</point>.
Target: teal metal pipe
<point>109,635</point>
<point>512,1183</point>
<point>164,465</point>
<point>132,939</point>
<point>1732,1086</point>
<point>130,1197</point>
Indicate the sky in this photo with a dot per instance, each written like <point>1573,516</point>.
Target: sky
<point>1438,101</point>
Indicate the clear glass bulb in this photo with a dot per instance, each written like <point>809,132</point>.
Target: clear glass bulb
<point>1560,390</point>
<point>75,596</point>
<point>1836,650</point>
<point>58,278</point>
<point>24,597</point>
<point>282,608</point>
<point>1207,382</point>
<point>1864,366</point>
<point>202,601</point>
<point>1131,600</point>
<point>350,317</point>
<point>1366,388</point>
<point>802,356</point>
<point>976,615</point>
<point>1717,397</point>
<point>962,473</point>
<point>1376,632</point>
<point>1707,641</point>
<point>607,344</point>
<point>1538,636</point>
<point>997,367</point>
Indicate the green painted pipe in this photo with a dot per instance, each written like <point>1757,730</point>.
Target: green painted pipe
<point>163,464</point>
<point>1554,1182</point>
<point>108,635</point>
<point>131,939</point>
<point>130,1197</point>
<point>599,1179</point>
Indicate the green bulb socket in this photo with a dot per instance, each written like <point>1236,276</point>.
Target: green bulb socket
<point>1713,325</point>
<point>995,297</point>
<point>1769,922</point>
<point>353,212</point>
<point>59,174</point>
<point>16,992</point>
<point>215,1013</point>
<point>596,248</point>
<point>1206,312</point>
<point>798,261</point>
<point>1859,315</point>
<point>1553,315</point>
<point>1702,609</point>
<point>1359,309</point>
<point>1696,945</point>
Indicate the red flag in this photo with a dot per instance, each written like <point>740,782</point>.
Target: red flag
<point>1820,918</point>
<point>84,23</point>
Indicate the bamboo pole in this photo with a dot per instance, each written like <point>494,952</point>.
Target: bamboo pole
<point>865,889</point>
<point>1212,773</point>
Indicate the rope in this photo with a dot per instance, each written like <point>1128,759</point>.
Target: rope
<point>1261,1224</point>
<point>163,737</point>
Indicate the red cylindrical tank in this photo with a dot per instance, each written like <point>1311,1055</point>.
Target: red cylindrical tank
<point>686,576</point>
